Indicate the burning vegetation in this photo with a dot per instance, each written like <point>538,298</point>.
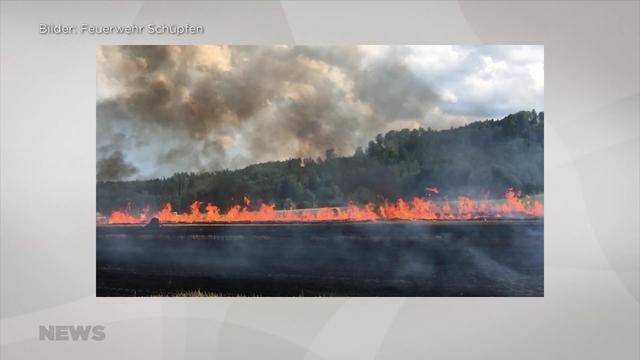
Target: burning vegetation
<point>514,205</point>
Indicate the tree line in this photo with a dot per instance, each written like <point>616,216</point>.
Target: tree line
<point>481,158</point>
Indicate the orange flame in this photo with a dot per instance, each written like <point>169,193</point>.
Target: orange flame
<point>465,208</point>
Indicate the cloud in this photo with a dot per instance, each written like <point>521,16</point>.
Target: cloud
<point>485,81</point>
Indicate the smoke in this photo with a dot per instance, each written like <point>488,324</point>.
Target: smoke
<point>114,167</point>
<point>394,91</point>
<point>374,259</point>
<point>205,108</point>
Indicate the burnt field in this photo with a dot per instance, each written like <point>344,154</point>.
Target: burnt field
<point>457,258</point>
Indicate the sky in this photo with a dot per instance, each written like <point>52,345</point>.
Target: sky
<point>167,109</point>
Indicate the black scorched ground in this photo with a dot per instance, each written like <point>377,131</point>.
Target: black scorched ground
<point>419,258</point>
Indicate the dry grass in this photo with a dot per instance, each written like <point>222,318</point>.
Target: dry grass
<point>193,293</point>
<point>200,293</point>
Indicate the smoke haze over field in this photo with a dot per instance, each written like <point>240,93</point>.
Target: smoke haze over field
<point>165,109</point>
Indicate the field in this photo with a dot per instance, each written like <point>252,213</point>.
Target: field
<point>456,258</point>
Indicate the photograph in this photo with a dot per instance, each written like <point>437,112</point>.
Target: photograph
<point>320,171</point>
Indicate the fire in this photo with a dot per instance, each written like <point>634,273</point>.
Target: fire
<point>514,205</point>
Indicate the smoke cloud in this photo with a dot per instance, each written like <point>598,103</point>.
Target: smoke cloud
<point>204,108</point>
<point>114,167</point>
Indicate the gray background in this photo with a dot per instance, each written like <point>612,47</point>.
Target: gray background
<point>591,304</point>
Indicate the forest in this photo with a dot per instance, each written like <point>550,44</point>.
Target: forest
<point>482,158</point>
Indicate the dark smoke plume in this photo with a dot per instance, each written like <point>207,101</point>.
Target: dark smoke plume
<point>114,167</point>
<point>204,108</point>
